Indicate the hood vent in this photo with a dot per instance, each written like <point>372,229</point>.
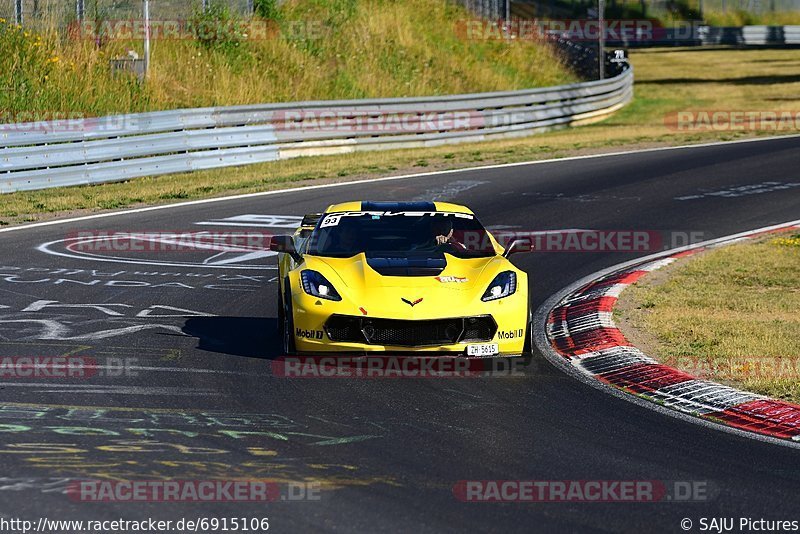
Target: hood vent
<point>408,266</point>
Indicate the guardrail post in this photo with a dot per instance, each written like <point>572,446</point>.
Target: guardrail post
<point>18,12</point>
<point>80,9</point>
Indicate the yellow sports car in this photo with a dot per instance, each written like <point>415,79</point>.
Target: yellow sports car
<point>400,277</point>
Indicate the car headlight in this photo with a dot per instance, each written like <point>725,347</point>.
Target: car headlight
<point>503,285</point>
<point>317,285</point>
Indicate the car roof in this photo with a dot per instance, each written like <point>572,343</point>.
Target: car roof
<point>397,206</point>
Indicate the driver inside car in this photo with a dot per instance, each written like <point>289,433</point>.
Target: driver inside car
<point>442,233</point>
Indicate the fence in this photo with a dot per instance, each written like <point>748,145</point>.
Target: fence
<point>59,14</point>
<point>116,148</point>
<point>489,9</point>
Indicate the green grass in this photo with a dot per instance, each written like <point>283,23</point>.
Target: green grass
<point>728,315</point>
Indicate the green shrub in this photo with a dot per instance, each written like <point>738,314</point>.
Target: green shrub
<point>218,29</point>
<point>267,9</point>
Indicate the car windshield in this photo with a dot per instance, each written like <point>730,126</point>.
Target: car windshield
<point>400,234</point>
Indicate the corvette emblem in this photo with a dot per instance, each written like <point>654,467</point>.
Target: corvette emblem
<point>410,303</point>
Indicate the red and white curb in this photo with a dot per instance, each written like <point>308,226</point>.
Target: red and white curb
<point>580,336</point>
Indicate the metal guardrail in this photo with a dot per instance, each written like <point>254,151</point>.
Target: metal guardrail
<point>117,148</point>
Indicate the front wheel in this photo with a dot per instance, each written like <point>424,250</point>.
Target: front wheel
<point>527,349</point>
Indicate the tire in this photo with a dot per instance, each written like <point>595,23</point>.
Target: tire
<point>527,349</point>
<point>279,299</point>
<point>287,324</point>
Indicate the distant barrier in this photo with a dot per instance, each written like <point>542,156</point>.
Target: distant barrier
<point>697,34</point>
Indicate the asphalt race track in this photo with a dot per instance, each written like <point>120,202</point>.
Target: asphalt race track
<point>197,334</point>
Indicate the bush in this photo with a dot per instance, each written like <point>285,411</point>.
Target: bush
<point>267,9</point>
<point>216,28</point>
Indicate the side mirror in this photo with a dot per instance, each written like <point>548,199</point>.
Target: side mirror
<point>518,245</point>
<point>285,244</point>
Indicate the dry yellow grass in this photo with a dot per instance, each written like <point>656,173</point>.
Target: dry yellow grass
<point>728,315</point>
<point>324,50</point>
<point>744,18</point>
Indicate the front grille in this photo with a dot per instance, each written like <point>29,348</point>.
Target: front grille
<point>410,333</point>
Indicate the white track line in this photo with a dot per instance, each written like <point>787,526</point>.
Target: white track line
<point>61,387</point>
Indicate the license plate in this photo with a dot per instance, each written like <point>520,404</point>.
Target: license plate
<point>485,349</point>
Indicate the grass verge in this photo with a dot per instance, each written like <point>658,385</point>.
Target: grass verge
<point>740,17</point>
<point>309,50</point>
<point>667,81</point>
<point>729,315</point>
